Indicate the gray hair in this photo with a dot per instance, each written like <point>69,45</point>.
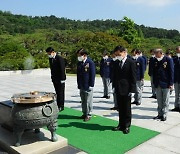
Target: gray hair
<point>158,50</point>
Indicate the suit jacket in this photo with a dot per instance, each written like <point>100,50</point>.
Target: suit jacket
<point>86,74</point>
<point>57,66</point>
<point>163,72</point>
<point>176,69</point>
<point>124,79</point>
<point>105,67</point>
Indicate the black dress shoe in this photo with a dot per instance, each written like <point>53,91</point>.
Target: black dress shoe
<point>163,119</point>
<point>118,128</point>
<point>176,109</point>
<point>126,131</point>
<point>157,117</point>
<point>61,109</point>
<point>137,103</point>
<point>153,96</point>
<point>113,108</point>
<point>104,97</point>
<point>107,97</point>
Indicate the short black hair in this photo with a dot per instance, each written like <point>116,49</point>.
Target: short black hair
<point>82,52</point>
<point>137,51</point>
<point>133,50</point>
<point>119,48</point>
<point>49,49</point>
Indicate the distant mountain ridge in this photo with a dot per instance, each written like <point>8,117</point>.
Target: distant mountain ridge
<point>12,24</point>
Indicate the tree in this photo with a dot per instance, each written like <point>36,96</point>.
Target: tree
<point>129,33</point>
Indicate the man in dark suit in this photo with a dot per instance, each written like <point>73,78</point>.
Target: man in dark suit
<point>105,74</point>
<point>163,78</point>
<point>85,80</point>
<point>124,81</point>
<point>58,75</point>
<point>177,80</point>
<point>150,72</point>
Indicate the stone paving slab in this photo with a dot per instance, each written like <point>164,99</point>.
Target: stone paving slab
<point>166,142</point>
<point>149,149</point>
<point>142,115</point>
<point>175,131</point>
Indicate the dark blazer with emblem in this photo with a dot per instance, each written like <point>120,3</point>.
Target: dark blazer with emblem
<point>57,66</point>
<point>176,69</point>
<point>86,74</point>
<point>105,67</point>
<point>124,79</point>
<point>163,72</point>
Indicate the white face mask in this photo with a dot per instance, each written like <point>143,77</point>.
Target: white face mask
<point>105,57</point>
<point>159,59</point>
<point>114,59</point>
<point>80,58</point>
<point>153,56</point>
<point>178,54</point>
<point>119,58</point>
<point>50,56</point>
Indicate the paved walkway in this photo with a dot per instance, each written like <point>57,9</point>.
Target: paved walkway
<point>166,143</point>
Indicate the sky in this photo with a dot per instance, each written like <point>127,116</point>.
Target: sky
<point>153,13</point>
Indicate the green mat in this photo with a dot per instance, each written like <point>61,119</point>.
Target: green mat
<point>96,136</point>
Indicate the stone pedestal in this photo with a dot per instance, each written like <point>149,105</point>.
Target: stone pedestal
<point>5,112</point>
<point>32,143</point>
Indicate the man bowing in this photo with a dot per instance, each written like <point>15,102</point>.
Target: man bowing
<point>124,80</point>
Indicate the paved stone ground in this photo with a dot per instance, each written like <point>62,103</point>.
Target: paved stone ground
<point>166,143</point>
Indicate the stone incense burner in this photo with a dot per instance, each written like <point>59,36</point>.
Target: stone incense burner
<point>34,110</point>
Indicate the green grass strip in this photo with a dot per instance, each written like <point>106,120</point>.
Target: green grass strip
<point>96,136</point>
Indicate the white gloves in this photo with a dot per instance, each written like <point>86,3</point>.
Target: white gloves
<point>62,81</point>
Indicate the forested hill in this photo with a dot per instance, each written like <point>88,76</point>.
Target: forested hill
<point>24,39</point>
<point>12,24</point>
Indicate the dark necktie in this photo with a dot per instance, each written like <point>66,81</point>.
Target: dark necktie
<point>120,64</point>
